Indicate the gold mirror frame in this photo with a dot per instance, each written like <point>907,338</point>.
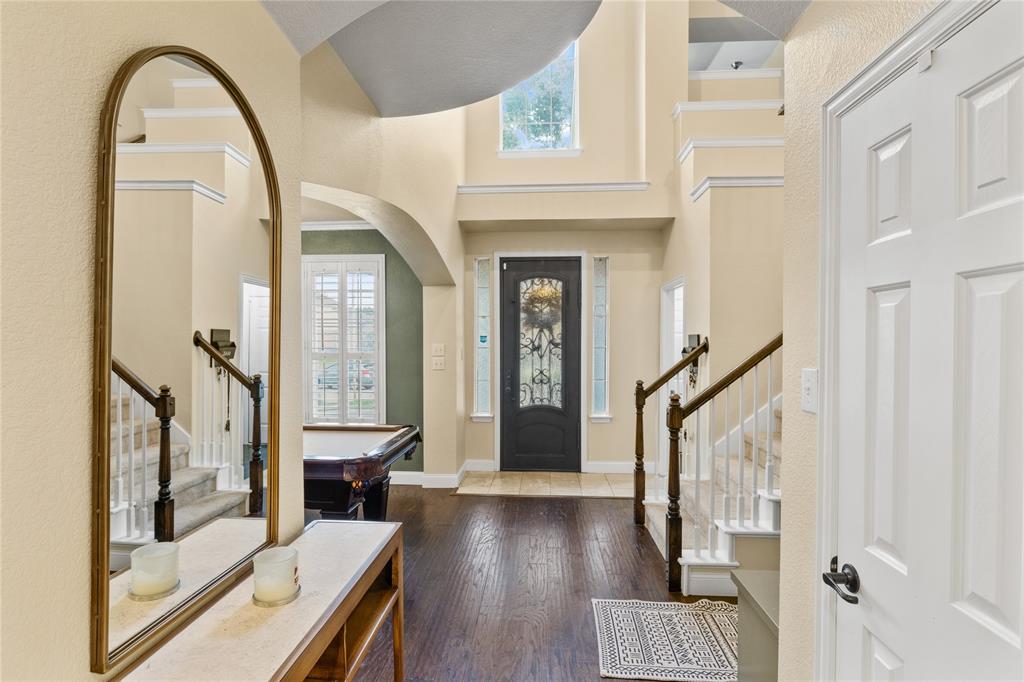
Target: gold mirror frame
<point>102,659</point>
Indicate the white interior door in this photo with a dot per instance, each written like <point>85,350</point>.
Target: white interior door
<point>928,407</point>
<point>254,348</point>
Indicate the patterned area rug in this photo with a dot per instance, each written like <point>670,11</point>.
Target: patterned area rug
<point>650,640</point>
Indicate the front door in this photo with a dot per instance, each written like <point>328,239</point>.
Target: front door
<point>540,364</point>
<point>929,394</point>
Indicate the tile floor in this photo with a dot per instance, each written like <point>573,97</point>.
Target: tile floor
<point>546,484</point>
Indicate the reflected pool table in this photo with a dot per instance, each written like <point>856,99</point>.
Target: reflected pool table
<point>348,465</point>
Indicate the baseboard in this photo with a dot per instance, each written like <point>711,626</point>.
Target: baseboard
<point>479,465</point>
<point>406,478</point>
<point>608,467</point>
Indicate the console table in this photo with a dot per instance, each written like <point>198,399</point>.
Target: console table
<point>351,577</point>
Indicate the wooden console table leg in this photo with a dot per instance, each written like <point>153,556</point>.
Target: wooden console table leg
<point>398,615</point>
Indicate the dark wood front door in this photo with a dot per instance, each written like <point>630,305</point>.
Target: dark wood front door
<point>540,364</point>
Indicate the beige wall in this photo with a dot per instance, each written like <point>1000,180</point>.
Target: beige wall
<point>71,51</point>
<point>610,131</point>
<point>635,280</point>
<point>829,45</point>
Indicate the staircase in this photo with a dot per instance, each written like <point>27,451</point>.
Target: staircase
<point>134,474</point>
<point>727,510</point>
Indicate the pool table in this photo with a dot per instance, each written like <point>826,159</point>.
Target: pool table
<point>349,465</point>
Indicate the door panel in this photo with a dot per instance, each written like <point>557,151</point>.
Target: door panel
<point>929,395</point>
<point>540,364</point>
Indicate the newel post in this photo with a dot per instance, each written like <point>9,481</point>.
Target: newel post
<point>673,522</point>
<point>163,508</point>
<point>639,484</point>
<point>256,461</point>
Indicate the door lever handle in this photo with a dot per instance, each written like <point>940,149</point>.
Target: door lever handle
<point>847,576</point>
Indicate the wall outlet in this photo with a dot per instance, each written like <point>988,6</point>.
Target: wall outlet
<point>437,350</point>
<point>437,363</point>
<point>809,390</point>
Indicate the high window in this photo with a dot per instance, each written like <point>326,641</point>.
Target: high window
<point>541,112</point>
<point>343,338</point>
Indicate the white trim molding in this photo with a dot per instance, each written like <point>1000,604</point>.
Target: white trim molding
<point>327,225</point>
<point>172,186</point>
<point>600,418</point>
<point>734,74</point>
<point>556,187</point>
<point>185,148</point>
<point>728,143</point>
<point>728,105</point>
<point>934,29</point>
<point>481,418</point>
<point>193,83</point>
<point>591,467</point>
<point>735,181</point>
<point>539,153</point>
<point>190,112</point>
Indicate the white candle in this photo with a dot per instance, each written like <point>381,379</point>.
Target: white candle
<point>275,574</point>
<point>154,569</point>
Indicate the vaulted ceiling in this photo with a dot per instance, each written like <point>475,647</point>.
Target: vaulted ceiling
<point>421,56</point>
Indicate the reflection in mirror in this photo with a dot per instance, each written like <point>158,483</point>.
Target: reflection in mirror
<point>190,341</point>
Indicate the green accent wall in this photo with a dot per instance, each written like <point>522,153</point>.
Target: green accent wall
<point>403,322</point>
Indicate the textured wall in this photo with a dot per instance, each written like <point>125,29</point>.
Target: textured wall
<point>403,320</point>
<point>57,62</point>
<point>829,45</point>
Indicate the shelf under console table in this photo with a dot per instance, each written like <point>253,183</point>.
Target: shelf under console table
<point>351,577</point>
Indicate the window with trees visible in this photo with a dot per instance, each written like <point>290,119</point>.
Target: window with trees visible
<point>541,112</point>
<point>343,338</point>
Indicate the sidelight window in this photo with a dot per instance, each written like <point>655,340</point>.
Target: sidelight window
<point>599,371</point>
<point>482,335</point>
<point>343,339</point>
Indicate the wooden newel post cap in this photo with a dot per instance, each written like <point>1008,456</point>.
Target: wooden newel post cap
<point>674,413</point>
<point>165,405</point>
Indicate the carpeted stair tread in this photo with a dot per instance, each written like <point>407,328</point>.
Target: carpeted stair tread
<point>221,504</point>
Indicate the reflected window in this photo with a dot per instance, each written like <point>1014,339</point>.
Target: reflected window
<point>344,339</point>
<point>541,112</point>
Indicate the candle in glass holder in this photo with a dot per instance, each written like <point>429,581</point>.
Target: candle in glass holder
<point>154,570</point>
<point>276,575</point>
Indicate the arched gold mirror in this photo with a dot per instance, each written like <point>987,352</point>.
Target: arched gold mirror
<point>187,330</point>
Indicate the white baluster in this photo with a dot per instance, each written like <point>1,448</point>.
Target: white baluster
<point>726,506</point>
<point>755,456</point>
<point>144,505</point>
<point>769,464</point>
<point>224,398</point>
<point>131,464</point>
<point>712,534</point>
<point>698,512</point>
<point>741,463</point>
<point>119,479</point>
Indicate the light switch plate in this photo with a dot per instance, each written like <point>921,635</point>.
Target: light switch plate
<point>809,390</point>
<point>437,363</point>
<point>437,350</point>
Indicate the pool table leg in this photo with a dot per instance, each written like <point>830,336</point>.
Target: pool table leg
<point>375,503</point>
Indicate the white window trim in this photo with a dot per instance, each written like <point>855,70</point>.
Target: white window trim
<point>577,145</point>
<point>381,329</point>
<point>477,414</point>
<point>605,416</point>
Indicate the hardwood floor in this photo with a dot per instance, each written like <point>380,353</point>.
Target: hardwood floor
<point>499,588</point>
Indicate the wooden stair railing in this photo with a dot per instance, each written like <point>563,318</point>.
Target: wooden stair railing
<point>163,407</point>
<point>676,415</point>
<point>641,395</point>
<point>254,385</point>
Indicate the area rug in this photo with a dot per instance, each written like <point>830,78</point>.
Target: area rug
<point>650,640</point>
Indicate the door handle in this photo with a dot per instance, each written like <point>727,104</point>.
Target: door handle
<point>846,576</point>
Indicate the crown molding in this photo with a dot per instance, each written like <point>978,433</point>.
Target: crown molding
<point>728,105</point>
<point>735,75</point>
<point>324,225</point>
<point>191,83</point>
<point>728,143</point>
<point>185,148</point>
<point>191,112</point>
<point>556,187</point>
<point>737,181</point>
<point>172,185</point>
